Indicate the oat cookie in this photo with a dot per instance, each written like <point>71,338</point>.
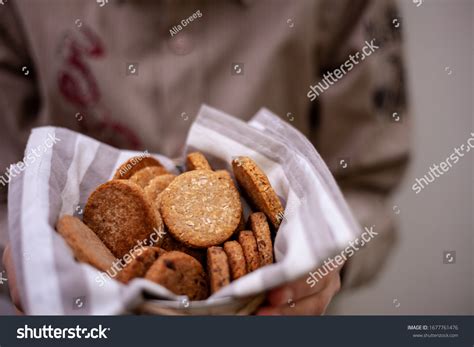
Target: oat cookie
<point>236,258</point>
<point>181,274</point>
<point>85,244</point>
<point>249,246</point>
<point>134,164</point>
<point>225,174</point>
<point>217,268</point>
<point>197,161</point>
<point>142,260</point>
<point>147,174</point>
<point>121,216</point>
<point>261,231</point>
<point>257,187</point>
<point>201,208</point>
<point>157,185</point>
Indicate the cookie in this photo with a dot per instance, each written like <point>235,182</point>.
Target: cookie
<point>142,260</point>
<point>121,216</point>
<point>225,174</point>
<point>217,268</point>
<point>197,161</point>
<point>181,274</point>
<point>171,244</point>
<point>257,187</point>
<point>236,259</point>
<point>249,246</point>
<point>134,164</point>
<point>85,244</point>
<point>201,208</point>
<point>261,231</point>
<point>147,174</point>
<point>241,225</point>
<point>157,185</point>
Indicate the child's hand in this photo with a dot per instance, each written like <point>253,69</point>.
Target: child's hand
<point>12,284</point>
<point>299,298</point>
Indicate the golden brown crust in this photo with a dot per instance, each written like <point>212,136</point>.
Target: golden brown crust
<point>225,174</point>
<point>171,244</point>
<point>85,244</point>
<point>142,260</point>
<point>236,258</point>
<point>261,231</point>
<point>201,208</point>
<point>258,188</point>
<point>197,161</point>
<point>181,274</point>
<point>134,164</point>
<point>217,268</point>
<point>121,216</point>
<point>157,185</point>
<point>241,225</point>
<point>249,246</point>
<point>144,176</point>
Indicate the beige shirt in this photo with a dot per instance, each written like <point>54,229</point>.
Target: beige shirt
<point>134,74</point>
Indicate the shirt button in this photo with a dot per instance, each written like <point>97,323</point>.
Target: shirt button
<point>181,44</point>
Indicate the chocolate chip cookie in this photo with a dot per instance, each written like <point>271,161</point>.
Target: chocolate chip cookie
<point>261,231</point>
<point>217,268</point>
<point>236,259</point>
<point>250,249</point>
<point>181,274</point>
<point>141,260</point>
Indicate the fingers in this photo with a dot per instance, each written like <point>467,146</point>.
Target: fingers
<point>297,290</point>
<point>12,284</point>
<point>314,304</point>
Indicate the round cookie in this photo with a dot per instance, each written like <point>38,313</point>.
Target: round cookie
<point>121,216</point>
<point>249,246</point>
<point>197,161</point>
<point>157,185</point>
<point>134,164</point>
<point>142,260</point>
<point>85,244</point>
<point>225,174</point>
<point>241,225</point>
<point>170,244</point>
<point>201,208</point>
<point>181,274</point>
<point>261,231</point>
<point>145,175</point>
<point>217,268</point>
<point>235,255</point>
<point>257,187</point>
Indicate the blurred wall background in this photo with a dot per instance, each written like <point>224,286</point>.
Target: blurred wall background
<point>440,70</point>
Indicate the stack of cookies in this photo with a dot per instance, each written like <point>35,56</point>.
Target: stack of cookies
<point>187,232</point>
